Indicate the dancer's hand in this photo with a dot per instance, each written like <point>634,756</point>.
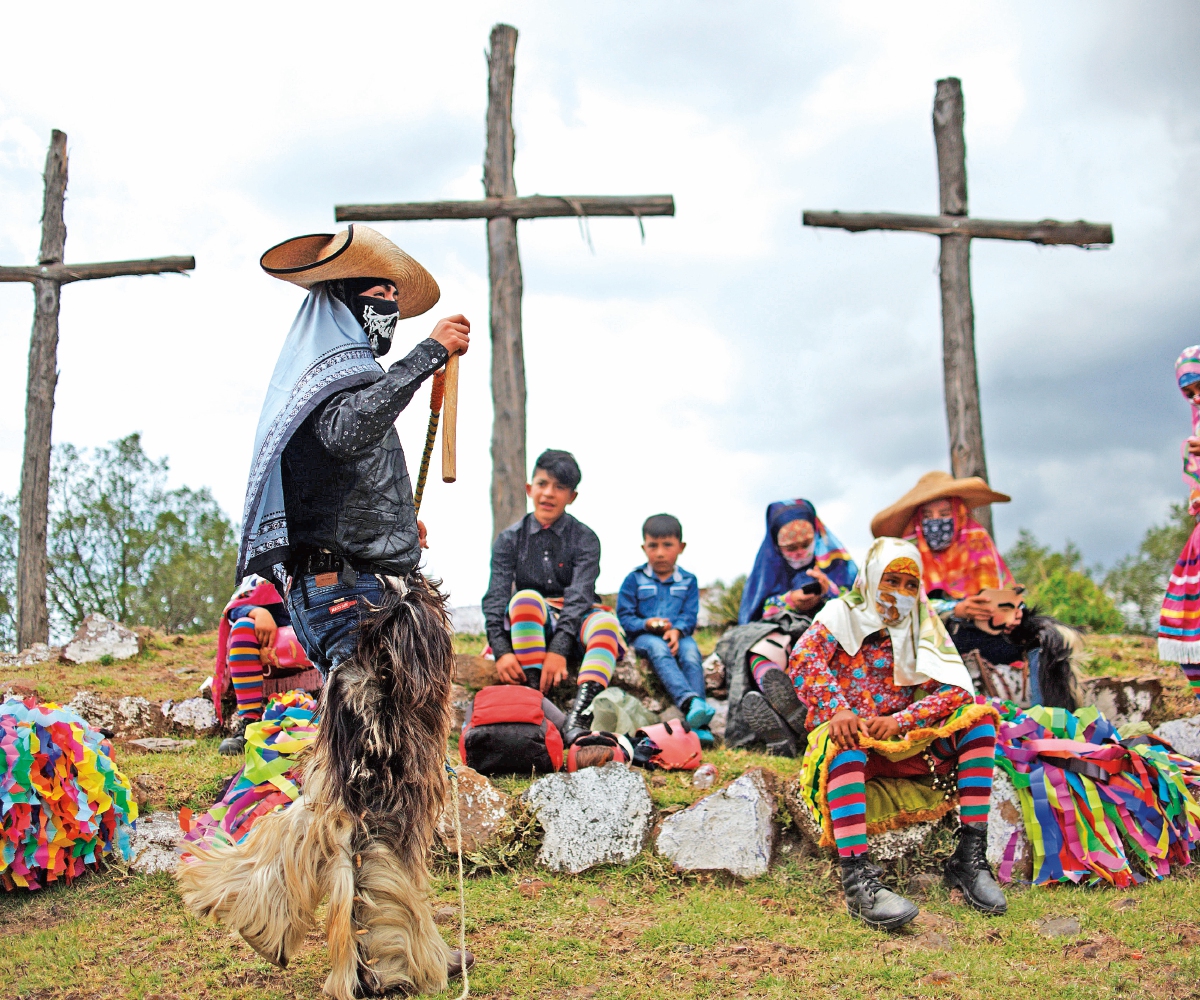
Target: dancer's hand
<point>509,669</point>
<point>1193,446</point>
<point>554,670</point>
<point>453,333</point>
<point>845,727</point>
<point>883,727</point>
<point>422,534</point>
<point>671,638</point>
<point>264,627</point>
<point>972,608</point>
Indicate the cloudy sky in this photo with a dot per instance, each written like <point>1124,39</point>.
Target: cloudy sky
<point>733,358</point>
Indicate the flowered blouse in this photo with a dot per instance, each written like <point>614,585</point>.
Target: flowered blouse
<point>829,680</point>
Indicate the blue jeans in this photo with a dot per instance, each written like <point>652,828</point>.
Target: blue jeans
<point>682,676</point>
<point>326,618</point>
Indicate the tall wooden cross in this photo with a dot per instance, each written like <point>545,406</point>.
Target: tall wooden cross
<point>47,277</point>
<point>502,208</point>
<point>956,230</point>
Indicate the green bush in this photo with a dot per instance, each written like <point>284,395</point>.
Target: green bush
<point>1059,585</point>
<point>724,605</point>
<point>1140,579</point>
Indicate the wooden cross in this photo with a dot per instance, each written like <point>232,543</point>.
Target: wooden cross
<point>47,277</point>
<point>956,230</point>
<point>502,208</point>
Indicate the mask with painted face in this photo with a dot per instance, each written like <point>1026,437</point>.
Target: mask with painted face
<point>938,532</point>
<point>799,558</point>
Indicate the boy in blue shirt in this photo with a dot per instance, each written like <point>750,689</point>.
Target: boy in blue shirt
<point>657,606</point>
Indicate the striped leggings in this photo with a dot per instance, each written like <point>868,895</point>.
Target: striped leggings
<point>972,749</point>
<point>600,635</point>
<point>1192,672</point>
<point>246,669</point>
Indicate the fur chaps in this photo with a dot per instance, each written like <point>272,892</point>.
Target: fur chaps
<point>374,786</point>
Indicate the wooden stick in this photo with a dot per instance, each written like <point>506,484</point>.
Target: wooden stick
<point>1048,231</point>
<point>66,273</point>
<point>449,432</point>
<point>536,206</point>
<point>435,413</point>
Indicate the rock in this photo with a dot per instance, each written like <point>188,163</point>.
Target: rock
<point>924,883</point>
<point>160,744</point>
<point>39,652</point>
<point>894,844</point>
<point>154,840</point>
<point>730,830</point>
<point>632,674</point>
<point>1183,735</point>
<point>474,672</point>
<point>1122,699</point>
<point>97,637</point>
<point>1005,820</point>
<point>714,674</point>
<point>1058,926</point>
<point>196,714</point>
<point>720,717</point>
<point>600,815</point>
<point>145,787</point>
<point>460,701</point>
<point>468,620</point>
<point>446,915</point>
<point>127,717</point>
<point>483,809</point>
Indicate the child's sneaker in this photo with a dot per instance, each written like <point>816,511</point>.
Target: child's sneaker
<point>707,740</point>
<point>699,714</point>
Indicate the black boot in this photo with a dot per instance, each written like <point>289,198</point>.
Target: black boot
<point>575,726</point>
<point>869,900</point>
<point>780,692</point>
<point>968,869</point>
<point>770,728</point>
<point>533,677</point>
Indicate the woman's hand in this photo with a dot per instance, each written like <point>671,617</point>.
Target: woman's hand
<point>972,608</point>
<point>823,580</point>
<point>509,669</point>
<point>422,534</point>
<point>845,727</point>
<point>264,626</point>
<point>883,727</point>
<point>801,601</point>
<point>554,670</point>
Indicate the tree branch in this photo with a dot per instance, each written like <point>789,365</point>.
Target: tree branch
<point>66,273</point>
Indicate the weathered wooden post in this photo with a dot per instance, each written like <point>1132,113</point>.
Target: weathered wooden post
<point>48,277</point>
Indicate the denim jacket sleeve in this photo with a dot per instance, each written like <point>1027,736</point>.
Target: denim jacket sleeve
<point>495,601</point>
<point>580,594</point>
<point>352,423</point>
<point>627,607</point>
<point>685,621</point>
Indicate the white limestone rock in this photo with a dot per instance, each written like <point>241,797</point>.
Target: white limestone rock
<point>1183,735</point>
<point>154,840</point>
<point>130,716</point>
<point>97,637</point>
<point>730,830</point>
<point>600,815</point>
<point>39,652</point>
<point>482,808</point>
<point>902,843</point>
<point>195,713</point>
<point>1122,700</point>
<point>1005,820</point>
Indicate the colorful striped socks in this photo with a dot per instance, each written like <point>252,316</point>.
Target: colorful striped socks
<point>528,614</point>
<point>601,636</point>
<point>246,669</point>
<point>759,665</point>
<point>976,759</point>
<point>847,792</point>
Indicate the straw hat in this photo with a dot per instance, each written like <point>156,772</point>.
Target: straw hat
<point>973,491</point>
<point>356,252</point>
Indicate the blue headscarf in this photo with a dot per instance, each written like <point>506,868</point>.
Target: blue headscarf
<point>326,351</point>
<point>772,575</point>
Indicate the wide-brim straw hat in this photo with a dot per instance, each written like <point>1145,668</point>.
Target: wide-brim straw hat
<point>355,252</point>
<point>891,521</point>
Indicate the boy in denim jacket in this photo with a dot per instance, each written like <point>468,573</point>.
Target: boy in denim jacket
<point>657,607</point>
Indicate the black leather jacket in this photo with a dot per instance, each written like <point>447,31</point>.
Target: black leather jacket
<point>345,482</point>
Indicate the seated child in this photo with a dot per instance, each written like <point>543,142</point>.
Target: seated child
<point>892,698</point>
<point>657,608</point>
<point>540,605</point>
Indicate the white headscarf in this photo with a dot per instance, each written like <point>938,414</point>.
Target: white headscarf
<point>921,647</point>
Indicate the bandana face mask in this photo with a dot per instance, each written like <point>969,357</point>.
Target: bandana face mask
<point>378,318</point>
<point>938,532</point>
<point>893,608</point>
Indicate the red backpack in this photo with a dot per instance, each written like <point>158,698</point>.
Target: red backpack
<point>508,733</point>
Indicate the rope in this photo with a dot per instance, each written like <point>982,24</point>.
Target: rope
<point>435,414</point>
<point>462,897</point>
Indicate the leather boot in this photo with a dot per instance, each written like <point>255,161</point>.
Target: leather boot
<point>575,726</point>
<point>869,900</point>
<point>458,959</point>
<point>968,869</point>
<point>769,727</point>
